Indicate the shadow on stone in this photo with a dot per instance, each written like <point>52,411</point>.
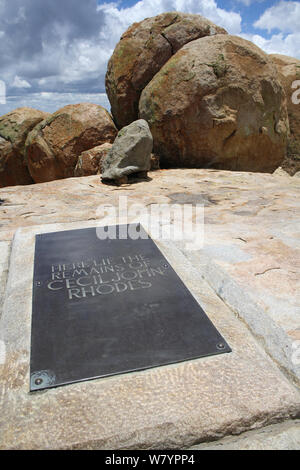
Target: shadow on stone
<point>129,179</point>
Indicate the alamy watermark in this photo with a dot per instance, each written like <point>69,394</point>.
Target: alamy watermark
<point>296,353</point>
<point>2,353</point>
<point>2,92</point>
<point>296,94</point>
<point>168,222</point>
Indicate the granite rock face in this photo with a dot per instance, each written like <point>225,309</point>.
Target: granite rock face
<point>218,102</point>
<point>289,73</point>
<point>130,152</point>
<point>53,147</point>
<point>143,49</point>
<point>89,162</point>
<point>14,128</point>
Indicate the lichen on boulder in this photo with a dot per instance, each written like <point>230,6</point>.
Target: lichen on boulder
<point>143,49</point>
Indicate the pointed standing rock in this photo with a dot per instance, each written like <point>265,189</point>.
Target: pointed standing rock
<point>130,153</point>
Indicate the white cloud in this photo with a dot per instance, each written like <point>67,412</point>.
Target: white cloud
<point>247,3</point>
<point>68,49</point>
<point>86,60</point>
<point>51,102</point>
<point>64,51</point>
<point>284,16</point>
<point>277,44</point>
<point>19,83</point>
<point>118,20</point>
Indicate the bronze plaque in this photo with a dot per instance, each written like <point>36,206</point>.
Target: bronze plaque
<point>105,307</point>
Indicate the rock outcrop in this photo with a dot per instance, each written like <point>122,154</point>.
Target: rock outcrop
<point>53,147</point>
<point>218,103</point>
<point>143,49</point>
<point>289,72</point>
<point>211,100</point>
<point>130,152</point>
<point>14,128</point>
<point>89,162</point>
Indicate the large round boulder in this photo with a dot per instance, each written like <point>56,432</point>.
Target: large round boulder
<point>14,128</point>
<point>218,103</point>
<point>54,145</point>
<point>289,73</point>
<point>143,49</point>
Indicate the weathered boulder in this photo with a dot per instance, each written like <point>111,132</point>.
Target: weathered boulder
<point>218,103</point>
<point>130,152</point>
<point>53,147</point>
<point>143,49</point>
<point>89,162</point>
<point>14,128</point>
<point>289,73</point>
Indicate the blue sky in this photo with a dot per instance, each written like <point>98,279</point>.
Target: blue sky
<point>55,52</point>
<point>250,12</point>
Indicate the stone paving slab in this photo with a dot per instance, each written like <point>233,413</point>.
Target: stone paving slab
<point>174,406</point>
<point>274,339</point>
<point>284,436</point>
<point>252,237</point>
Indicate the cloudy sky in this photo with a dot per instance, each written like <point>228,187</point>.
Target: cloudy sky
<point>55,52</point>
